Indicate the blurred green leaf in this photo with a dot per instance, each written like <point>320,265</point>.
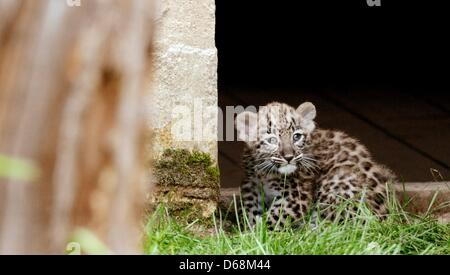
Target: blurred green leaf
<point>89,242</point>
<point>17,169</point>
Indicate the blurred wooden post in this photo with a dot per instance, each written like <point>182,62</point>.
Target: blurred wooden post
<point>72,87</point>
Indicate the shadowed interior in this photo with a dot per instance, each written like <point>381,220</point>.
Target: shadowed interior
<point>370,73</point>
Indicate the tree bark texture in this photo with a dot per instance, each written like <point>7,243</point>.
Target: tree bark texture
<point>72,87</point>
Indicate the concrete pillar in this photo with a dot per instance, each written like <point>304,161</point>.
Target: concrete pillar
<point>185,77</point>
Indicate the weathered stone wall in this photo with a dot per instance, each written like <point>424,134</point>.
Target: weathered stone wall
<point>185,77</point>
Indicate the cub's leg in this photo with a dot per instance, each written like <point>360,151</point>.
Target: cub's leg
<point>292,202</point>
<point>252,201</point>
<point>282,203</point>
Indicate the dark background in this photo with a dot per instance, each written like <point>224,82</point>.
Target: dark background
<point>323,42</point>
<point>378,73</point>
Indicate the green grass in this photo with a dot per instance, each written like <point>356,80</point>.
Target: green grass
<point>400,233</point>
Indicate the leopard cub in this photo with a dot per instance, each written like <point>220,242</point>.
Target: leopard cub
<point>292,166</point>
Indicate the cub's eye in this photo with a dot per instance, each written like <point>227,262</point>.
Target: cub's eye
<point>272,140</point>
<point>297,137</point>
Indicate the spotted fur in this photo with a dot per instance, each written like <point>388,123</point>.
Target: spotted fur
<point>291,166</point>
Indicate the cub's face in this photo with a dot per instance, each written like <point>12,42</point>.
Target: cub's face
<point>278,136</point>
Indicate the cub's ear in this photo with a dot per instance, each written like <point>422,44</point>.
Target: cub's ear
<point>307,111</point>
<point>247,126</point>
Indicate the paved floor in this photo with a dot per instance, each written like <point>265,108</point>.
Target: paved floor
<point>409,132</point>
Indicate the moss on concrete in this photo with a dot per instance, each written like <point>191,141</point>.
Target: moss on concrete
<point>180,167</point>
<point>187,184</point>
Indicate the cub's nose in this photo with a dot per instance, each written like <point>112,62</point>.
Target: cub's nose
<point>289,157</point>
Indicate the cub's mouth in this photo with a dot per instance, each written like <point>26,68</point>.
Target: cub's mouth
<point>287,169</point>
